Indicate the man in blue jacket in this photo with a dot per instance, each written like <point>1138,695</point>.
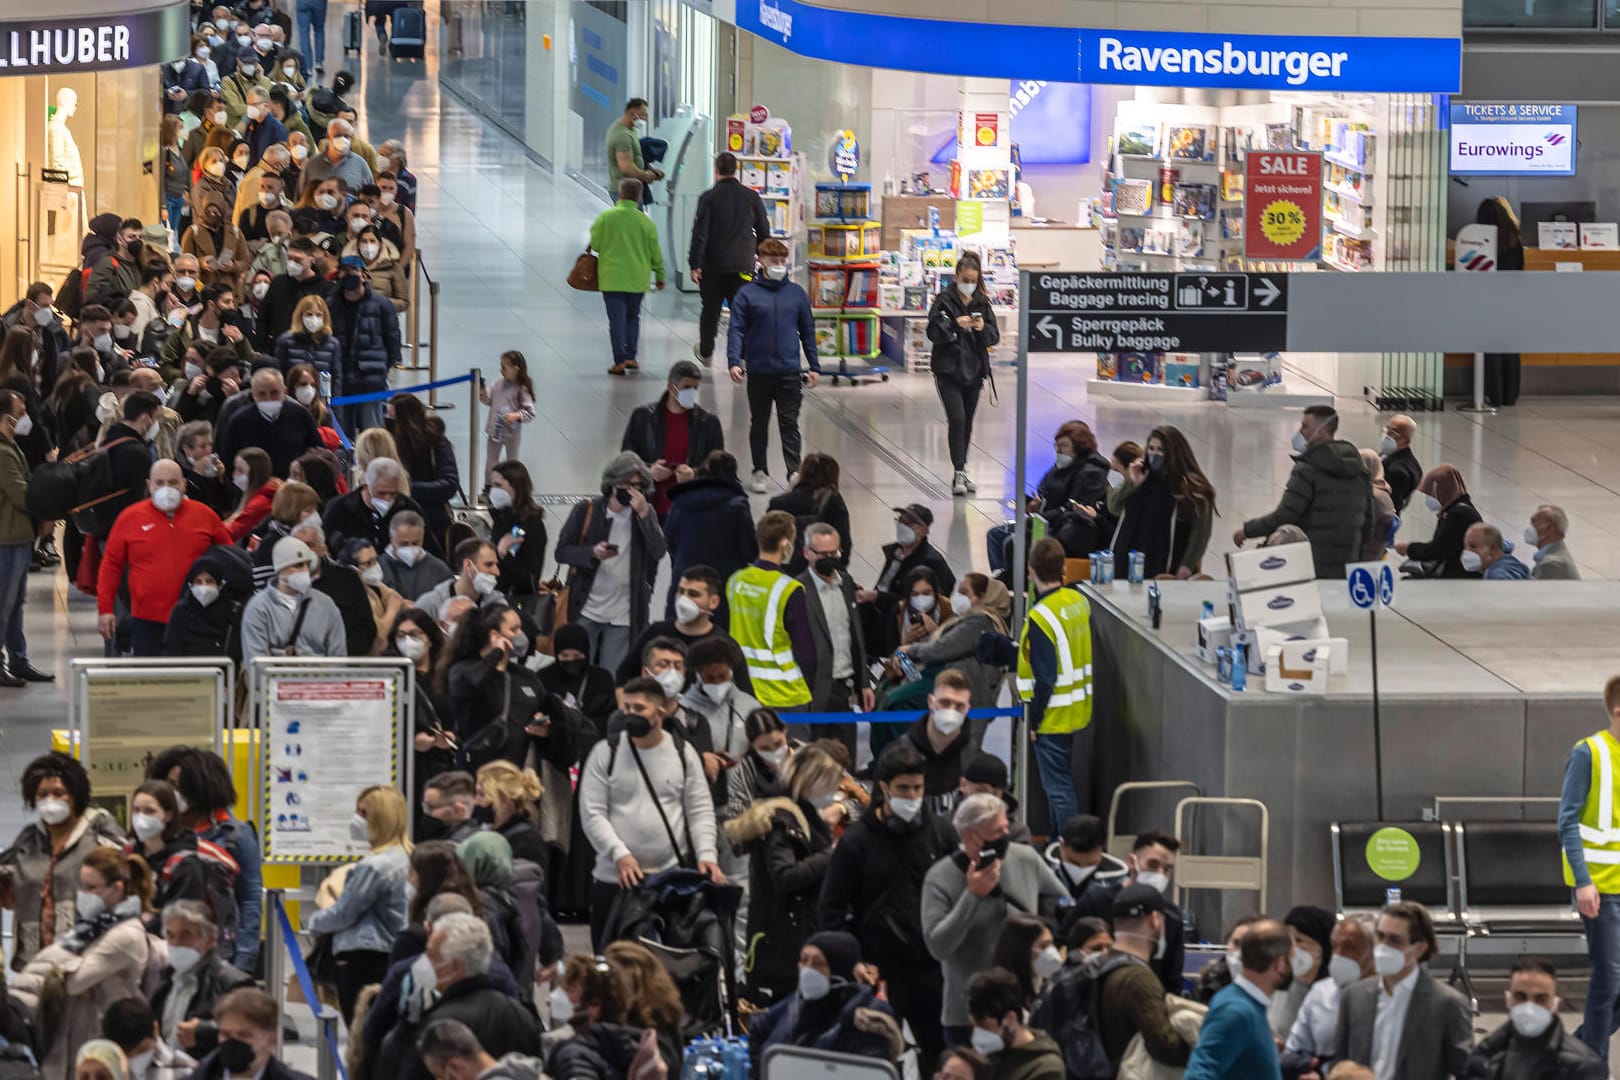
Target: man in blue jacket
<point>770,325</point>
<point>368,331</point>
<point>1236,1040</point>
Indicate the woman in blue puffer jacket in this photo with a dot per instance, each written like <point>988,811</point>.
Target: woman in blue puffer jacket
<point>310,341</point>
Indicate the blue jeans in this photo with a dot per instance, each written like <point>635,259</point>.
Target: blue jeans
<point>357,418</point>
<point>176,205</point>
<point>14,562</point>
<point>1603,992</point>
<point>609,644</point>
<point>996,547</point>
<point>1054,760</point>
<point>624,323</point>
<point>311,20</point>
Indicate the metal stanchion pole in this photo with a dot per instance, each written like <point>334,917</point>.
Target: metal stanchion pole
<point>413,318</point>
<point>433,339</point>
<point>326,1022</point>
<point>475,482</point>
<point>276,958</point>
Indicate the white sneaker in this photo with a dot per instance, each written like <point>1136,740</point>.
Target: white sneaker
<point>793,480</point>
<point>968,481</point>
<point>959,485</point>
<point>759,482</point>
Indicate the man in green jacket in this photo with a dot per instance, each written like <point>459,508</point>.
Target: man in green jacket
<point>16,541</point>
<point>627,258</point>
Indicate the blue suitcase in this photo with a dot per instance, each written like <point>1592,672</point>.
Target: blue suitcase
<point>408,38</point>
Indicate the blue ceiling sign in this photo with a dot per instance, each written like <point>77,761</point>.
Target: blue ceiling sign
<point>1121,57</point>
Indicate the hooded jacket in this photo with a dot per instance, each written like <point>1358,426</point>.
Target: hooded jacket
<point>849,1020</point>
<point>368,330</point>
<point>1038,1059</point>
<point>1443,551</point>
<point>791,848</point>
<point>214,630</point>
<point>710,524</point>
<point>1329,495</point>
<point>770,325</point>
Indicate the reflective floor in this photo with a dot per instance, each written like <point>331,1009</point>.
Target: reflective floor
<point>498,234</point>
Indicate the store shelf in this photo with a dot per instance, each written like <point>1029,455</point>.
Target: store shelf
<point>1277,396</point>
<point>1349,228</point>
<point>1173,162</point>
<point>1331,158</point>
<point>1124,391</point>
<point>1364,198</point>
<point>1345,267</point>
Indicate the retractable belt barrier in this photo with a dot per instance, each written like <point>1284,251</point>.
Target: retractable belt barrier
<point>384,395</point>
<point>306,983</point>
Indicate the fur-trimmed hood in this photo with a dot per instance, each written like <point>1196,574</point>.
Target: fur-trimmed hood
<point>755,823</point>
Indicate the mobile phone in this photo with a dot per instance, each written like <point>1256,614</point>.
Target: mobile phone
<point>612,549</point>
<point>986,858</point>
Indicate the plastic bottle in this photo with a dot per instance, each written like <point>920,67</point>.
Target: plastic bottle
<point>737,1058</point>
<point>1108,567</point>
<point>1208,610</point>
<point>1240,668</point>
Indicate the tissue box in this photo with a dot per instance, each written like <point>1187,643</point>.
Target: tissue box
<point>1265,568</point>
<point>1278,606</point>
<point>1214,632</point>
<point>1298,667</point>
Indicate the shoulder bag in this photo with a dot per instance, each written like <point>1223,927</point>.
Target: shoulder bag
<point>583,275</point>
<point>556,593</point>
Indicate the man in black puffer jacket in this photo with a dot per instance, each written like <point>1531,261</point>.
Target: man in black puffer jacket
<point>729,225</point>
<point>1329,495</point>
<point>1533,1045</point>
<point>367,329</point>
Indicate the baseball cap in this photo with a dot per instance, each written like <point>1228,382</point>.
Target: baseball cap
<point>1131,902</point>
<point>986,769</point>
<point>354,262</point>
<point>916,511</point>
<point>291,551</point>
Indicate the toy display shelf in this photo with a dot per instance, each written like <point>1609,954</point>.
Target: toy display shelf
<point>845,240</point>
<point>835,202</point>
<point>779,181</point>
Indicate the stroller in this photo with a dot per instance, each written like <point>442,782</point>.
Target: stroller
<point>686,921</point>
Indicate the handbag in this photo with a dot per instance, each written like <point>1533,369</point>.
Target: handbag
<point>552,601</point>
<point>583,275</point>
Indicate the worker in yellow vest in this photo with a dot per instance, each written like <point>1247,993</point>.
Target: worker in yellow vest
<point>1054,677</point>
<point>1589,828</point>
<point>770,621</point>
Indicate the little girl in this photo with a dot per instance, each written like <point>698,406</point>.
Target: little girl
<point>511,402</point>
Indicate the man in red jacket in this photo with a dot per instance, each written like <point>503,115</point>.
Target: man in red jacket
<point>155,540</point>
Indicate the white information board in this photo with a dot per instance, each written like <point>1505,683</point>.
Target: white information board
<point>325,738</point>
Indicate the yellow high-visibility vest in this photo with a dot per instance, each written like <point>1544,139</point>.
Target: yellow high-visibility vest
<point>1600,829</point>
<point>757,599</point>
<point>1065,617</point>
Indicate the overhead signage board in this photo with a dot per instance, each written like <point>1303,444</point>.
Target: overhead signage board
<point>1197,312</point>
<point>1283,208</point>
<point>1118,57</point>
<point>94,42</point>
<point>1514,139</point>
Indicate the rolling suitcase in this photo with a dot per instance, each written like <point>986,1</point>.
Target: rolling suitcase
<point>409,37</point>
<point>354,26</point>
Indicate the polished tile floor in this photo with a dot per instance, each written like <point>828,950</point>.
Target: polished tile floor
<point>498,234</point>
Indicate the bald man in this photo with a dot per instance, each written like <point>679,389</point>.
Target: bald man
<point>155,540</point>
<point>1401,468</point>
<point>1485,553</point>
<point>274,423</point>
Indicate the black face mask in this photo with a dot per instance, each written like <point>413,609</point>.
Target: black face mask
<point>621,497</point>
<point>349,282</point>
<point>571,668</point>
<point>429,827</point>
<point>637,727</point>
<point>484,815</point>
<point>827,565</point>
<point>995,849</point>
<point>235,1055</point>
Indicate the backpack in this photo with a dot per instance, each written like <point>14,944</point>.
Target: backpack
<point>79,486</point>
<point>69,298</point>
<point>219,871</point>
<point>1068,1011</point>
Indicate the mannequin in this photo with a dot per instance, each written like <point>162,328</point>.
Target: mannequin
<point>61,151</point>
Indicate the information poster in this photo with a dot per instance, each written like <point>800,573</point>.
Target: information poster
<point>121,738</point>
<point>325,741</point>
<point>1282,210</point>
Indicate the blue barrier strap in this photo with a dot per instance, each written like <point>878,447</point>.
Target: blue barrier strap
<point>384,395</point>
<point>887,717</point>
<point>305,982</point>
<point>343,436</point>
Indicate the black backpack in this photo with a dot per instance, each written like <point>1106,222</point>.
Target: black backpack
<point>80,486</point>
<point>1068,1010</point>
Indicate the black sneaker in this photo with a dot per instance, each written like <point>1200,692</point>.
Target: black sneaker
<point>29,673</point>
<point>8,679</point>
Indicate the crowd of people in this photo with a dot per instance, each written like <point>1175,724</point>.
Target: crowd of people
<point>199,425</point>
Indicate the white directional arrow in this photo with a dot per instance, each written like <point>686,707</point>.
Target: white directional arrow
<point>1267,291</point>
<point>1052,329</point>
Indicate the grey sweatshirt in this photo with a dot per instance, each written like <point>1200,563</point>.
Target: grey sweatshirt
<point>961,929</point>
<point>267,623</point>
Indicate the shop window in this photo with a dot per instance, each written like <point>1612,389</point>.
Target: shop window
<point>1539,14</point>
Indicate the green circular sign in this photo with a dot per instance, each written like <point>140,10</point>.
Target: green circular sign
<point>1393,854</point>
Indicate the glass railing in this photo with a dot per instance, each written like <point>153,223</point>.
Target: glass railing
<point>1539,14</point>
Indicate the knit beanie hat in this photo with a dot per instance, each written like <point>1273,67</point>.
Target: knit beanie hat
<point>840,948</point>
